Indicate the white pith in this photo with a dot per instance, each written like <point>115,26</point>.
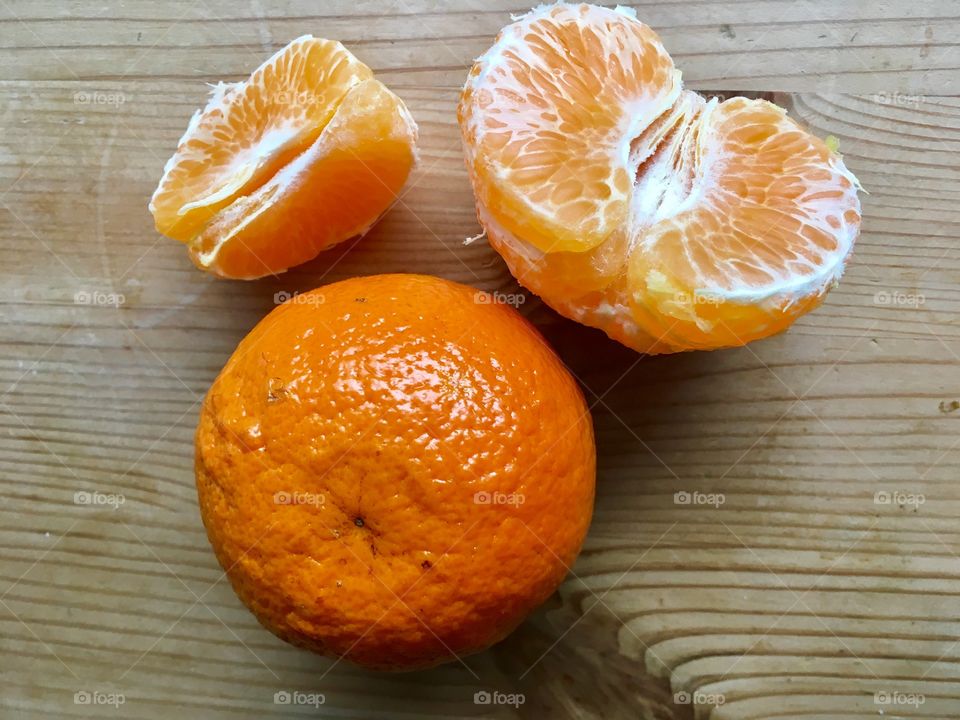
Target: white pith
<point>639,112</point>
<point>289,177</point>
<point>786,286</point>
<point>245,164</point>
<point>290,136</point>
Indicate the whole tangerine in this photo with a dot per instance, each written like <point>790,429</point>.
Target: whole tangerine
<point>395,470</point>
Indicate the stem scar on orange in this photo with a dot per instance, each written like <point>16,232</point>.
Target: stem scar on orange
<point>635,206</point>
<point>307,152</point>
<point>395,470</point>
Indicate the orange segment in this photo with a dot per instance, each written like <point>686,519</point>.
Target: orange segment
<point>548,116</point>
<point>770,220</point>
<point>336,189</point>
<point>252,146</point>
<point>734,221</point>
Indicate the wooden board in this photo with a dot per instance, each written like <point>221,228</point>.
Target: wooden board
<point>801,595</point>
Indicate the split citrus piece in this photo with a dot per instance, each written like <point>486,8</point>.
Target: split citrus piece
<point>307,152</point>
<point>627,203</point>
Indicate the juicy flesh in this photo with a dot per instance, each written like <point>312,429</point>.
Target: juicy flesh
<point>768,208</point>
<point>285,164</point>
<point>557,103</point>
<point>599,169</point>
<point>250,130</point>
<point>344,181</point>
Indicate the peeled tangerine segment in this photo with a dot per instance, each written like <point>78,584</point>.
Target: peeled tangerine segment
<point>307,152</point>
<point>765,230</point>
<point>630,204</point>
<point>250,129</point>
<point>548,121</point>
<point>334,190</point>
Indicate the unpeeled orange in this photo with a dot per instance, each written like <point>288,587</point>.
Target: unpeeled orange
<point>395,470</point>
<point>307,152</point>
<point>633,205</point>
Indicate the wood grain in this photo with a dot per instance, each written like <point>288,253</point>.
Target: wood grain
<point>798,596</point>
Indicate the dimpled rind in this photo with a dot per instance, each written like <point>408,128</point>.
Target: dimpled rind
<point>394,469</point>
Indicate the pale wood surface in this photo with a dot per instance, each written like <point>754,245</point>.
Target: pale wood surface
<point>799,597</point>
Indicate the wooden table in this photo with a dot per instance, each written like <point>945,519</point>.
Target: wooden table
<point>802,595</point>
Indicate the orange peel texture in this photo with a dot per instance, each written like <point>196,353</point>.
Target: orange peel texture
<point>395,470</point>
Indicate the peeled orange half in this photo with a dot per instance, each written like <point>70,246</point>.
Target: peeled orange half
<point>307,152</point>
<point>669,221</point>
